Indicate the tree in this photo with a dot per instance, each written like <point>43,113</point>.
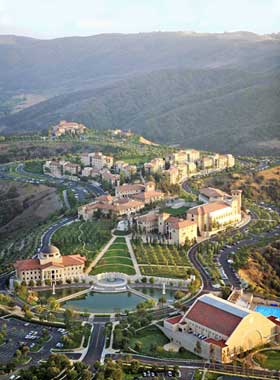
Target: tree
<point>135,366</point>
<point>138,346</point>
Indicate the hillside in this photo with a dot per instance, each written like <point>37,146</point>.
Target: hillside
<point>192,89</point>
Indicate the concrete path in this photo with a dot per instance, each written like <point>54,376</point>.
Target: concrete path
<point>100,255</point>
<point>133,257</point>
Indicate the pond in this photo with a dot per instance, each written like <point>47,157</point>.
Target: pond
<point>157,293</point>
<point>59,293</point>
<point>104,302</point>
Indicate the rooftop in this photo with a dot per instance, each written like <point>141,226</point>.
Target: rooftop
<point>216,314</point>
<point>209,207</point>
<point>212,192</point>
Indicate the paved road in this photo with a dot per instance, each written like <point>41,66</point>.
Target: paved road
<point>97,341</point>
<point>46,238</point>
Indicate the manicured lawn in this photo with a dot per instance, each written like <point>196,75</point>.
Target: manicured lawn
<point>119,240</point>
<point>271,359</point>
<point>119,246</point>
<point>115,260</point>
<point>152,340</point>
<point>176,211</point>
<point>113,268</point>
<point>117,253</point>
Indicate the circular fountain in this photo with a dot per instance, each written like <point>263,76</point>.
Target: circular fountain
<point>110,282</point>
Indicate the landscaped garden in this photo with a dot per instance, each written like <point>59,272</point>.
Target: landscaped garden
<point>116,259</point>
<point>180,211</point>
<point>269,359</point>
<point>86,238</point>
<point>151,340</point>
<point>162,260</point>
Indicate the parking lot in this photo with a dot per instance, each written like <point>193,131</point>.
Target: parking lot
<point>20,333</point>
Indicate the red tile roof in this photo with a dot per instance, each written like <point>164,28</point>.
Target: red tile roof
<point>174,320</point>
<point>274,320</point>
<point>27,264</point>
<point>213,192</point>
<point>207,208</point>
<point>214,318</point>
<point>178,223</point>
<point>31,264</point>
<point>220,343</point>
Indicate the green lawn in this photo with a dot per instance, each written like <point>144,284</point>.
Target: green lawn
<point>271,359</point>
<point>113,268</point>
<point>119,245</point>
<point>120,240</point>
<point>116,259</point>
<point>152,340</point>
<point>117,253</point>
<point>176,211</point>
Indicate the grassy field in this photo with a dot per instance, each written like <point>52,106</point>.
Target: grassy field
<point>176,211</point>
<point>86,238</point>
<point>269,359</point>
<point>161,260</point>
<point>151,340</point>
<point>116,259</point>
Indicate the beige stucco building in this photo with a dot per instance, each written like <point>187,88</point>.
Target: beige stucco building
<point>97,160</point>
<point>218,330</point>
<point>173,230</point>
<point>50,265</point>
<point>68,127</point>
<point>216,216</point>
<point>106,204</point>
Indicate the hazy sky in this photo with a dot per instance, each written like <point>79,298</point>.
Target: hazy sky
<point>56,18</point>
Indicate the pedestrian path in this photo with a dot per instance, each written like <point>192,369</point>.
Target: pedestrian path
<point>100,255</point>
<point>133,257</point>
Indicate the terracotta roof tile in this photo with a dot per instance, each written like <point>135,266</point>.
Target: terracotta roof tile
<point>209,207</point>
<point>214,318</point>
<point>174,320</point>
<point>220,343</point>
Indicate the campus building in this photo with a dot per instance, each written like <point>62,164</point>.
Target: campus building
<point>127,189</point>
<point>172,229</point>
<point>60,168</point>
<point>183,156</point>
<point>172,175</point>
<point>108,205</point>
<point>125,169</point>
<point>65,127</point>
<point>154,166</point>
<point>52,266</point>
<point>107,176</point>
<point>216,216</point>
<point>176,230</point>
<point>97,160</point>
<point>216,329</point>
<point>211,194</point>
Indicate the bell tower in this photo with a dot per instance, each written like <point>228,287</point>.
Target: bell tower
<point>236,200</point>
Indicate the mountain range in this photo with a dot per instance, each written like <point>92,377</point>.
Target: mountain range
<point>217,92</point>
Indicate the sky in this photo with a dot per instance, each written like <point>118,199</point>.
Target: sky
<point>59,18</point>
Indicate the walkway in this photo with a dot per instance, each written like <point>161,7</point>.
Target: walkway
<point>132,255</point>
<point>100,255</point>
